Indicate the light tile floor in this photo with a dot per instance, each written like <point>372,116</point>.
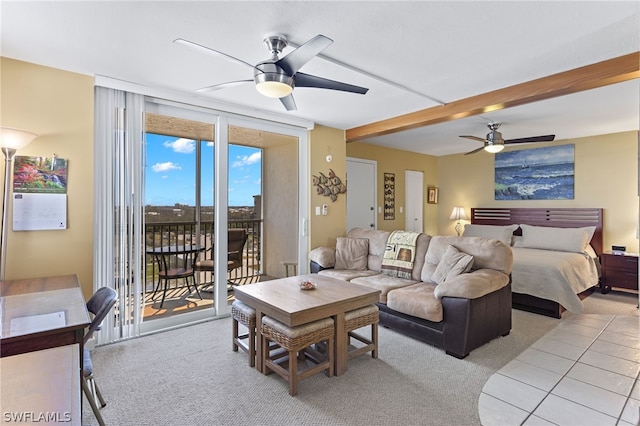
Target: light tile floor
<point>583,372</point>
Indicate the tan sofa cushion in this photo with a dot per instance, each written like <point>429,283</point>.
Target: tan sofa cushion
<point>472,285</point>
<point>346,274</point>
<point>453,263</point>
<point>384,283</point>
<point>352,253</point>
<point>323,256</point>
<point>487,254</point>
<point>417,300</point>
<point>378,243</point>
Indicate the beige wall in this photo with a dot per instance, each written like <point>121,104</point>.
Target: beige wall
<point>397,162</point>
<point>323,230</point>
<point>606,176</point>
<point>57,105</point>
<point>280,205</point>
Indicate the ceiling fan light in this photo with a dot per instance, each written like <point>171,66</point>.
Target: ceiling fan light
<point>274,89</point>
<point>274,85</point>
<point>494,148</point>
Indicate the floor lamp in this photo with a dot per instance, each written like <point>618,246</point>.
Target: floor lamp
<point>11,140</point>
<point>458,214</point>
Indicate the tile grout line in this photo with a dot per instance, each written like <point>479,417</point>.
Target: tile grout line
<point>565,374</point>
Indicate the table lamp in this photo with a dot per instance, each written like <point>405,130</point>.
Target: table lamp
<point>11,140</point>
<point>458,214</point>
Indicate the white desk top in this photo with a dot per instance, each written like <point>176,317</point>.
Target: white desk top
<point>41,387</point>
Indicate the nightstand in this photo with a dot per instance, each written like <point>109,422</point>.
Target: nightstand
<point>619,270</point>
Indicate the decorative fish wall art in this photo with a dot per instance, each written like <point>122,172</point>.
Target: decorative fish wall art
<point>329,186</point>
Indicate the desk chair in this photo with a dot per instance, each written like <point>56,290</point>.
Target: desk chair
<point>99,305</point>
<point>235,247</point>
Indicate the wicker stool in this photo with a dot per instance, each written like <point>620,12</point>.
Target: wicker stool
<point>245,315</point>
<point>359,318</point>
<point>297,341</point>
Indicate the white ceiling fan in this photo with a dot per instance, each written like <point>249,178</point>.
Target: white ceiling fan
<point>277,77</point>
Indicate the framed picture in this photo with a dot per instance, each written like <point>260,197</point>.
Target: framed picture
<point>389,196</point>
<point>432,195</point>
<point>535,174</point>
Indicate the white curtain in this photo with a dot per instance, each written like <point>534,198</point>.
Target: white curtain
<point>118,260</point>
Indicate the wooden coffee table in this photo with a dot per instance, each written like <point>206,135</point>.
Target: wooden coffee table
<point>283,300</point>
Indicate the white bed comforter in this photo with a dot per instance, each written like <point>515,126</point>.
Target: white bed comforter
<point>554,275</point>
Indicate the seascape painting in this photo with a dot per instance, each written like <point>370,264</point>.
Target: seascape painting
<point>535,174</point>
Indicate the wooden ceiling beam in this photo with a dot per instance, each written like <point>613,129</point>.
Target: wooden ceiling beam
<point>611,71</point>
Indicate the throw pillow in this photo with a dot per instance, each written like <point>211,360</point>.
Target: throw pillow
<point>492,232</point>
<point>352,253</point>
<point>453,263</point>
<point>562,239</point>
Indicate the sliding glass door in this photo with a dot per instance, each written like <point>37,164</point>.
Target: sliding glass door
<point>209,177</point>
<point>173,181</point>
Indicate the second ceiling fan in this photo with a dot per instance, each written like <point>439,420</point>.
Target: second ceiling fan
<point>276,77</point>
<point>494,143</point>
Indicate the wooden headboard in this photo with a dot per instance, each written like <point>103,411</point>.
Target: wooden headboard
<point>554,217</point>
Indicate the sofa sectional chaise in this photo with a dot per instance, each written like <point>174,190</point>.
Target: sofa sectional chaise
<point>458,296</point>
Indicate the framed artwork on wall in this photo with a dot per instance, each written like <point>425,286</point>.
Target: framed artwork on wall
<point>432,195</point>
<point>389,196</point>
<point>535,174</point>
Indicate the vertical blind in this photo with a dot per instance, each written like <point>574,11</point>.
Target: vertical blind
<point>118,205</point>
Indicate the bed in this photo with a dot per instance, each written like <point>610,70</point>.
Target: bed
<point>550,275</point>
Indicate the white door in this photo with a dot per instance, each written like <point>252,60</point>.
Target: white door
<point>413,200</point>
<point>361,193</point>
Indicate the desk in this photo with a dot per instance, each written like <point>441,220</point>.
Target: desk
<point>162,256</point>
<point>41,385</point>
<point>26,308</point>
<point>283,300</point>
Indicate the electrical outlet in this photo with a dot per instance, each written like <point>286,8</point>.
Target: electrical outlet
<point>325,210</point>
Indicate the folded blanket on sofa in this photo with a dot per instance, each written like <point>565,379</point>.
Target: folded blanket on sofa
<point>400,254</point>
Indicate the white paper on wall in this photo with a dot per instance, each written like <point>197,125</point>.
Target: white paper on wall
<point>33,212</point>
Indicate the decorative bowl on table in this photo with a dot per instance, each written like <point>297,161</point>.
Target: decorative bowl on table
<point>307,285</point>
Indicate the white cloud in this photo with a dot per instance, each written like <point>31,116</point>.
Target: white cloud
<point>165,167</point>
<point>182,145</point>
<point>247,160</point>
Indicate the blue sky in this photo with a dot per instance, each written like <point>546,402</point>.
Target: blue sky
<point>170,172</point>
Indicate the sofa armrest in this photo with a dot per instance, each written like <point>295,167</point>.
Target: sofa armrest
<point>325,257</point>
<point>472,285</point>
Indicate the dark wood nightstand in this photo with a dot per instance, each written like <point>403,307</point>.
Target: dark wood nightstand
<point>619,270</point>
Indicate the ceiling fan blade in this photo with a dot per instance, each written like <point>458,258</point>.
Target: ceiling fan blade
<point>222,86</point>
<point>210,51</point>
<point>307,80</point>
<point>475,138</point>
<point>289,103</point>
<point>303,54</point>
<point>545,138</point>
<point>475,150</point>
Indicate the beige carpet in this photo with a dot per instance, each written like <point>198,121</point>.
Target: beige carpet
<point>190,376</point>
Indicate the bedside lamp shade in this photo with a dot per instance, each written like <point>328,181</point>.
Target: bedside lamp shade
<point>458,214</point>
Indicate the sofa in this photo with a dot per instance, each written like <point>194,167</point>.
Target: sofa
<point>458,295</point>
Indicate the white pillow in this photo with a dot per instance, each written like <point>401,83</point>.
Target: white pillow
<point>352,253</point>
<point>574,240</point>
<point>492,232</point>
<point>453,263</point>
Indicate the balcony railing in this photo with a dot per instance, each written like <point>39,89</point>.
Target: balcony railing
<point>163,234</point>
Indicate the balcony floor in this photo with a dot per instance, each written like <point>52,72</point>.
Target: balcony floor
<point>179,299</point>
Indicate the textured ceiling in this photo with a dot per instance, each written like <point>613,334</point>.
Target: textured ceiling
<point>416,52</point>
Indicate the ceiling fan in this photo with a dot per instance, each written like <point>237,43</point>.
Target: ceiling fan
<point>494,142</point>
<point>276,77</point>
